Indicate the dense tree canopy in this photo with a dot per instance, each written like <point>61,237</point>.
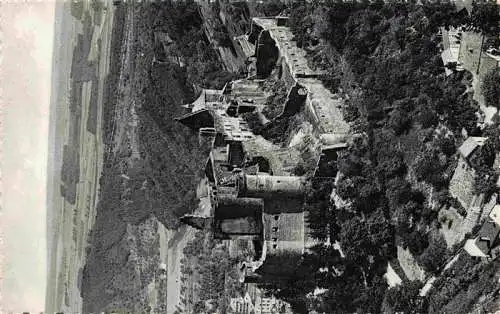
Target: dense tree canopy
<point>410,114</point>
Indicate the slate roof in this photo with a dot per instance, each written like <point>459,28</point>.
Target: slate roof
<point>487,235</point>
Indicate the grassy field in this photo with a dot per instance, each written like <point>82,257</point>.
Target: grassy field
<point>478,63</point>
<point>76,144</point>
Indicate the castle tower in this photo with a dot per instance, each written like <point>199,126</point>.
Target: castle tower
<point>266,186</point>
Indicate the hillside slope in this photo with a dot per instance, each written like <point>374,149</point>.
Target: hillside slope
<point>151,162</point>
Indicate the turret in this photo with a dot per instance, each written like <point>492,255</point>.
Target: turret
<point>267,186</point>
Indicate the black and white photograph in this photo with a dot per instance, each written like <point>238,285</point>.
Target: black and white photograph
<point>250,157</point>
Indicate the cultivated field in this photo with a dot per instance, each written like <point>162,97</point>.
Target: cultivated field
<point>81,62</point>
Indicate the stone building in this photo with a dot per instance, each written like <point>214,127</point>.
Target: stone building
<point>254,193</point>
<point>483,243</point>
<point>277,51</point>
<point>461,184</point>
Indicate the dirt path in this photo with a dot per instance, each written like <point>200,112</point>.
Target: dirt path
<point>124,107</point>
<point>174,264</point>
<point>175,254</point>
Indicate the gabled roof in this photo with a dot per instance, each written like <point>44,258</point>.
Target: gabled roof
<point>470,144</point>
<point>489,231</point>
<point>486,237</point>
<point>198,119</point>
<point>495,215</point>
<point>472,248</point>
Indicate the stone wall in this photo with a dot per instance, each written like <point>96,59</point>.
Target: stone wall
<point>284,232</point>
<point>461,184</point>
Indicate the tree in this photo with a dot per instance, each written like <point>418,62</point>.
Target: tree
<point>399,121</point>
<point>485,181</point>
<point>485,18</point>
<point>435,254</point>
<point>355,240</point>
<point>429,167</point>
<point>405,298</point>
<point>491,88</point>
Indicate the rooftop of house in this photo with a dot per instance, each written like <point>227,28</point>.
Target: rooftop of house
<point>231,207</point>
<point>470,144</point>
<point>472,248</point>
<point>485,239</point>
<point>488,234</point>
<point>495,215</point>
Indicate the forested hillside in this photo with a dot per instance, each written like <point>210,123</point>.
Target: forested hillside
<point>152,164</point>
<point>384,58</point>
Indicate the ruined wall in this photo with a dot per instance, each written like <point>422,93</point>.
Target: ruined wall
<point>266,186</point>
<point>267,54</point>
<point>236,155</point>
<point>233,228</point>
<point>461,184</point>
<point>229,207</point>
<point>295,100</point>
<point>286,74</point>
<point>284,232</point>
<point>255,31</point>
<point>280,205</point>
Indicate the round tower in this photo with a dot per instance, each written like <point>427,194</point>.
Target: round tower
<point>267,186</point>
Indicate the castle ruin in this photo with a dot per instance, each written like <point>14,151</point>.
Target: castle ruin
<point>254,193</point>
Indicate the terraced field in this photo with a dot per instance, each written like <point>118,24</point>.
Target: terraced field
<point>81,54</point>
